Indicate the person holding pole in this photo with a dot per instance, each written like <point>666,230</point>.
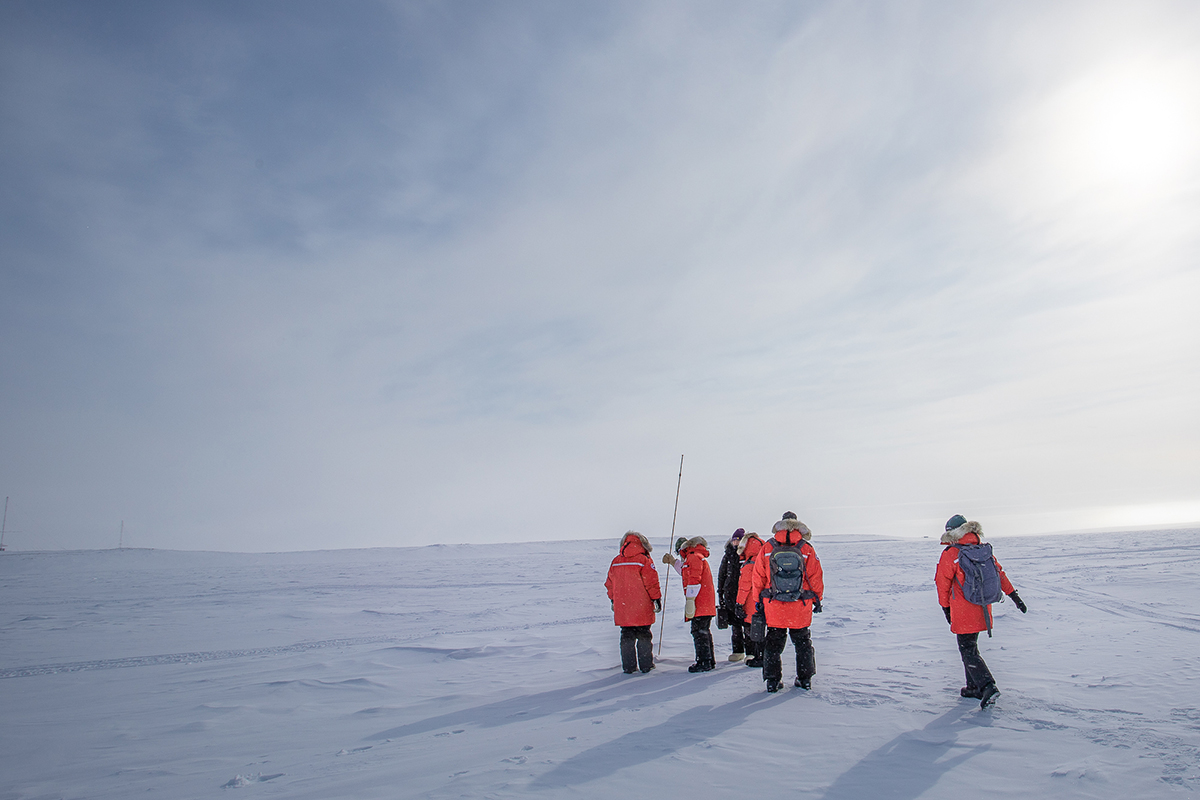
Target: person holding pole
<point>635,595</point>
<point>789,583</point>
<point>700,598</point>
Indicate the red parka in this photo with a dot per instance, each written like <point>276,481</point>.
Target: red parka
<point>632,583</point>
<point>965,617</point>
<point>751,547</point>
<point>698,580</point>
<point>797,613</point>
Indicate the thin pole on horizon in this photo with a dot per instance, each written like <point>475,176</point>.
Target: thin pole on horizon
<point>121,537</point>
<point>662,622</point>
<point>4,524</point>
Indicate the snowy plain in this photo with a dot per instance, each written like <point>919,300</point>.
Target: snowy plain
<point>492,671</point>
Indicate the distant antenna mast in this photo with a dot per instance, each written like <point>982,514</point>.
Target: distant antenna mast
<point>4,525</point>
<point>121,537</point>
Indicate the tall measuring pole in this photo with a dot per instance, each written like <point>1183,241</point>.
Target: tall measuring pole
<point>4,525</point>
<point>670,544</point>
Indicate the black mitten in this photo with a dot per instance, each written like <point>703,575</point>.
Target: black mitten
<point>658,605</point>
<point>1018,602</point>
<point>947,610</point>
<point>739,611</point>
<point>816,605</point>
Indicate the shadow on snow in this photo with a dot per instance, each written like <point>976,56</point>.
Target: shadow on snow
<point>598,698</point>
<point>910,764</point>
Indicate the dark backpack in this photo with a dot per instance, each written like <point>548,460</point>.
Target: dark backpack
<point>981,580</point>
<point>786,565</point>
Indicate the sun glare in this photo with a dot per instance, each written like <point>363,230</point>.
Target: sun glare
<point>1129,128</point>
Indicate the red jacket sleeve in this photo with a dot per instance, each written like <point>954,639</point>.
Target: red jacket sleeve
<point>814,573</point>
<point>650,580</point>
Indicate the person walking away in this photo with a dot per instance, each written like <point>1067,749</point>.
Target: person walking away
<point>788,578</point>
<point>700,598</point>
<point>635,597</point>
<point>748,550</point>
<point>967,609</point>
<point>728,577</point>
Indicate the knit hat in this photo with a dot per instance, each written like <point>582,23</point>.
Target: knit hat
<point>739,533</point>
<point>788,515</point>
<point>957,521</point>
<point>679,543</point>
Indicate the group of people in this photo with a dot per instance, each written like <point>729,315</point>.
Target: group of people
<point>767,591</point>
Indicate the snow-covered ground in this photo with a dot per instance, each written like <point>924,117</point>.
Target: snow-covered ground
<point>493,671</point>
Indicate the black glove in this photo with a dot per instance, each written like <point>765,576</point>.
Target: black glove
<point>612,604</point>
<point>658,605</point>
<point>1018,602</point>
<point>816,605</point>
<point>739,611</point>
<point>947,610</point>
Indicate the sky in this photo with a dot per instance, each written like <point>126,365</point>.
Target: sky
<point>298,275</point>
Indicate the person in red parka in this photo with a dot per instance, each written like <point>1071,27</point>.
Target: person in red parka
<point>966,619</point>
<point>748,550</point>
<point>787,615</point>
<point>633,588</point>
<point>700,598</point>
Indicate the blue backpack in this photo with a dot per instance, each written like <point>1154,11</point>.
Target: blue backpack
<point>981,579</point>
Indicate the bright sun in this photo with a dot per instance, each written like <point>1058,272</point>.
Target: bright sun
<point>1130,127</point>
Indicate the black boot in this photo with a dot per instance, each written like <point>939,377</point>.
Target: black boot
<point>969,691</point>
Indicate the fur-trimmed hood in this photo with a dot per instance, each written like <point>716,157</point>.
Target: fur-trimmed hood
<point>741,548</point>
<point>953,535</point>
<point>637,537</point>
<point>787,526</point>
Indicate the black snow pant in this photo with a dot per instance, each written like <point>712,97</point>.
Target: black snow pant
<point>637,648</point>
<point>806,657</point>
<point>979,677</point>
<point>738,633</point>
<point>702,639</point>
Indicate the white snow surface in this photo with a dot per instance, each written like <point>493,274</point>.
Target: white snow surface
<point>492,671</point>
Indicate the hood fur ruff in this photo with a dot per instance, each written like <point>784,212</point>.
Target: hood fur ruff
<point>792,525</point>
<point>695,540</point>
<point>954,534</point>
<point>645,542</point>
<point>741,548</point>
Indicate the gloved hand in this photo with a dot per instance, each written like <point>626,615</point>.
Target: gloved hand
<point>739,611</point>
<point>689,609</point>
<point>657,606</point>
<point>669,559</point>
<point>816,605</point>
<point>947,610</point>
<point>612,604</point>
<point>1018,602</point>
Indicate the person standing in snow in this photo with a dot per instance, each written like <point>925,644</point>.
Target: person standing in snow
<point>700,598</point>
<point>635,594</point>
<point>967,619</point>
<point>728,577</point>
<point>748,549</point>
<point>788,578</point>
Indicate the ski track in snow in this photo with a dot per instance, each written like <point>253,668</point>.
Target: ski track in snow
<point>318,675</point>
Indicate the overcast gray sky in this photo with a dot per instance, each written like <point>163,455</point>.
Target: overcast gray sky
<point>293,275</point>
